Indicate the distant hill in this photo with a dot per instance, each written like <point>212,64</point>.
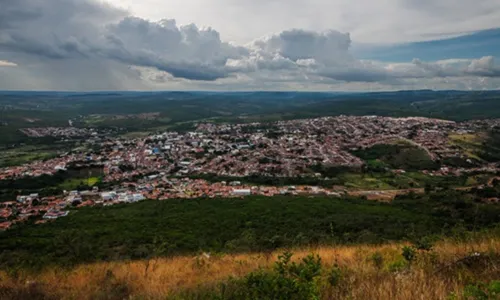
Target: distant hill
<point>176,108</point>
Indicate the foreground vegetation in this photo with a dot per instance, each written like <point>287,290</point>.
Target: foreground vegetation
<point>177,227</point>
<point>453,269</point>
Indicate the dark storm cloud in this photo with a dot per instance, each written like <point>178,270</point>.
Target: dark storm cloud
<point>84,29</point>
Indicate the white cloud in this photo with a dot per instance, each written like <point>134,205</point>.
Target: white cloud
<point>382,21</point>
<point>4,63</point>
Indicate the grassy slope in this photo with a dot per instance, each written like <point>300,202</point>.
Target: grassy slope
<point>434,275</point>
<point>398,156</point>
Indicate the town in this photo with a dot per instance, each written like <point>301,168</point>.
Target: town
<point>168,165</point>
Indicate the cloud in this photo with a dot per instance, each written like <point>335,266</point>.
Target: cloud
<point>387,22</point>
<point>327,54</point>
<point>299,44</point>
<point>73,31</point>
<point>484,66</point>
<point>4,63</point>
<point>187,51</point>
<point>89,45</point>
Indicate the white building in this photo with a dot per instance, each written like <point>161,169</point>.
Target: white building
<point>242,192</point>
<point>137,197</point>
<point>108,196</point>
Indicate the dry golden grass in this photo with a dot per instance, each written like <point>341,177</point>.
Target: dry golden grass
<point>433,275</point>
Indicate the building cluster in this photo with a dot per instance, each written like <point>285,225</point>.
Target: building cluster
<point>38,168</point>
<point>43,209</point>
<point>59,132</point>
<point>30,206</point>
<point>68,132</point>
<point>163,166</point>
<point>282,149</point>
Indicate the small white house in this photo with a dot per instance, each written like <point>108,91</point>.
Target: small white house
<point>124,197</point>
<point>137,197</point>
<point>108,196</point>
<point>242,192</point>
<point>22,199</point>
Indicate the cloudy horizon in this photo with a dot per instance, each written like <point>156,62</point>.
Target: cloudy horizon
<point>87,45</point>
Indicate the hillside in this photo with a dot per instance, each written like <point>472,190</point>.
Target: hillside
<point>254,223</point>
<point>455,269</point>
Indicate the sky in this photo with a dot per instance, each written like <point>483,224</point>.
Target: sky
<point>234,45</point>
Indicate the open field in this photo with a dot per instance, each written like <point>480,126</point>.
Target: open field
<point>74,183</point>
<point>354,272</point>
<point>20,155</point>
<point>470,143</point>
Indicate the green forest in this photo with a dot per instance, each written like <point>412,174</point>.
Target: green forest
<point>165,228</point>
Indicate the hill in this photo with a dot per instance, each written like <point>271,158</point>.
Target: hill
<point>177,110</point>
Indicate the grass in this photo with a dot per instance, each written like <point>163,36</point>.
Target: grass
<point>364,182</point>
<point>471,144</point>
<point>399,155</point>
<point>135,134</point>
<point>390,181</point>
<point>349,272</point>
<point>468,138</point>
<point>26,154</point>
<point>74,183</point>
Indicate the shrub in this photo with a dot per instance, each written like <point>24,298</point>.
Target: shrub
<point>409,254</point>
<point>377,260</point>
<point>397,266</point>
<point>425,244</point>
<point>335,276</point>
<point>287,280</point>
<point>482,291</point>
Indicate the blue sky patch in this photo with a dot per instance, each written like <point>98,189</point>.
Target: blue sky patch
<point>475,45</point>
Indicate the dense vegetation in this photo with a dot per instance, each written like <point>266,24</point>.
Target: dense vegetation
<point>254,223</point>
<point>399,156</point>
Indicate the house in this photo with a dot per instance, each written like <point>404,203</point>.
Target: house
<point>5,225</point>
<point>242,192</point>
<point>22,199</point>
<point>124,197</point>
<point>73,199</point>
<point>137,197</point>
<point>108,196</point>
<point>54,214</point>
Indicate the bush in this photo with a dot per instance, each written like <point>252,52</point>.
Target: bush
<point>377,260</point>
<point>397,266</point>
<point>409,254</point>
<point>288,280</point>
<point>425,244</point>
<point>335,276</point>
<point>482,291</point>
